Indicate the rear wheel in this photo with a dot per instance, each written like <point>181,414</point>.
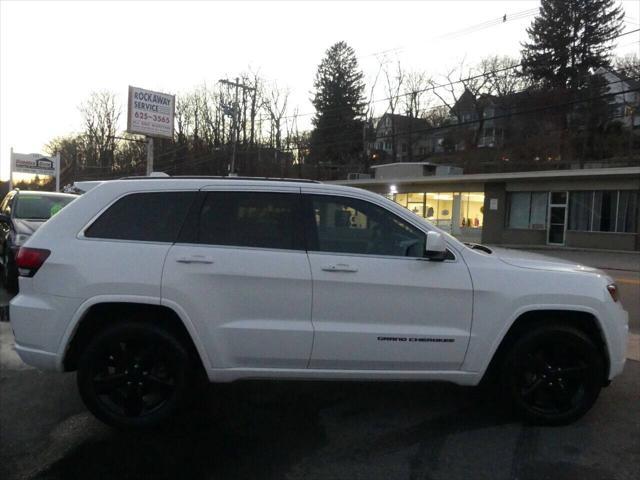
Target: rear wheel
<point>553,374</point>
<point>134,375</point>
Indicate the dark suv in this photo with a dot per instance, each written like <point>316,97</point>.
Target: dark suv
<point>21,214</point>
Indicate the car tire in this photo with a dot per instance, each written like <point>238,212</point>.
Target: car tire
<point>553,374</point>
<point>9,272</point>
<point>134,375</point>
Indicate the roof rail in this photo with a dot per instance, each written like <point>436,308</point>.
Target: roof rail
<point>214,177</point>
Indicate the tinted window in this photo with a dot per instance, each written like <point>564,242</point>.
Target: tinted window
<point>346,225</point>
<point>527,210</point>
<point>31,206</point>
<point>250,219</point>
<point>155,217</point>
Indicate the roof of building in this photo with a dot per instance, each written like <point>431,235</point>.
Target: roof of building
<point>405,163</point>
<point>493,177</point>
<point>403,123</point>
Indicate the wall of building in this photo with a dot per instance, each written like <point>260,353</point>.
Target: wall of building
<point>494,220</point>
<point>399,171</point>
<point>496,232</point>
<point>494,228</point>
<point>608,240</point>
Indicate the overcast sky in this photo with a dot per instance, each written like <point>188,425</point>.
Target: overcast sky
<point>53,54</point>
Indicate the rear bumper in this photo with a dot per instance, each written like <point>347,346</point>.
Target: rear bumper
<point>38,323</point>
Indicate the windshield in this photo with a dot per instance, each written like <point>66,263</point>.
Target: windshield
<point>39,207</point>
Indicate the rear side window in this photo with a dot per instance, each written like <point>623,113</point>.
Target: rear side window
<point>251,219</point>
<point>152,217</point>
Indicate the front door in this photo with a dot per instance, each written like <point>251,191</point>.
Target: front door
<point>377,303</point>
<point>242,276</point>
<point>557,218</point>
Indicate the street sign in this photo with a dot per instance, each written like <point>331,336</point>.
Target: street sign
<point>35,164</point>
<point>150,113</point>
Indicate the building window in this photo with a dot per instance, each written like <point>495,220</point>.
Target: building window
<point>603,211</point>
<point>447,210</point>
<point>387,146</point>
<point>404,148</point>
<point>527,210</point>
<point>471,209</point>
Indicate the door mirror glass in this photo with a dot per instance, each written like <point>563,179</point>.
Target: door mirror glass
<point>436,247</point>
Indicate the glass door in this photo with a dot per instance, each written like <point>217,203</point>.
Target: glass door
<point>557,218</point>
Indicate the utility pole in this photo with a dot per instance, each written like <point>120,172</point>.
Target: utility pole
<point>149,156</point>
<point>365,157</point>
<point>236,119</point>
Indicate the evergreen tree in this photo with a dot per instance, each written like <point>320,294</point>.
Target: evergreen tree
<point>339,103</point>
<point>570,38</point>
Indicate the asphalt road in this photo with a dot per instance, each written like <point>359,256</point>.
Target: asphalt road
<point>316,430</point>
<point>319,430</point>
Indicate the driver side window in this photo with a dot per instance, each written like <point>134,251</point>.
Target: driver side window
<point>348,225</point>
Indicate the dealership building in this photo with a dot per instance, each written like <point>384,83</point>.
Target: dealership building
<point>586,208</point>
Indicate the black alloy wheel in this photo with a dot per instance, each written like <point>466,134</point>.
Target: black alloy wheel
<point>134,375</point>
<point>553,375</point>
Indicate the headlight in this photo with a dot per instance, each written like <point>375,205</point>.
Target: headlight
<point>20,238</point>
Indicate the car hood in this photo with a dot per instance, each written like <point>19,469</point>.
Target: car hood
<point>26,227</point>
<point>523,259</point>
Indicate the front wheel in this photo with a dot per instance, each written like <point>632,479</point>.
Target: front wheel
<point>553,374</point>
<point>134,375</point>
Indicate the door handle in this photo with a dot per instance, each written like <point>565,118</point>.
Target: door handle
<point>194,259</point>
<point>340,267</point>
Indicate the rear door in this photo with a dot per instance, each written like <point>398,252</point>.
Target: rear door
<point>241,274</point>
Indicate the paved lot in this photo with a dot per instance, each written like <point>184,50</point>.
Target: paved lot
<point>318,430</point>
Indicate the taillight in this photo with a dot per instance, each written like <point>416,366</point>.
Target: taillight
<point>29,260</point>
<point>613,291</point>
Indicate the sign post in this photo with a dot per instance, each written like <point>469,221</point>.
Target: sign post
<point>151,114</point>
<point>35,164</point>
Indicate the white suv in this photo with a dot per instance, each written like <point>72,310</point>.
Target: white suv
<point>141,284</point>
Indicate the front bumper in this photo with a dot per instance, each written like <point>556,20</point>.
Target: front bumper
<point>617,340</point>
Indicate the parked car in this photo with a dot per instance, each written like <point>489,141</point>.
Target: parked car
<point>21,214</point>
<point>143,284</point>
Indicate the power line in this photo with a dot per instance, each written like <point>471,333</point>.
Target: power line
<point>205,157</point>
<point>490,23</point>
<point>169,152</point>
<point>430,88</point>
<point>442,85</point>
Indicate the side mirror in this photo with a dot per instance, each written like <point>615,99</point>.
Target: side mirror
<point>5,218</point>
<point>436,247</point>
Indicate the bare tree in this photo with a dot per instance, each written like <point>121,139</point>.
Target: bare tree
<point>505,76</point>
<point>466,93</point>
<point>414,100</point>
<point>276,106</point>
<point>394,83</point>
<point>100,114</point>
<point>628,65</point>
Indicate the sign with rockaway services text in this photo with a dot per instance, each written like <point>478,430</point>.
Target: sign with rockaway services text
<point>150,113</point>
